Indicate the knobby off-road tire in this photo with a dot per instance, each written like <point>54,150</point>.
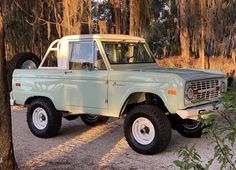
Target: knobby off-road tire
<point>43,119</point>
<point>147,129</point>
<point>93,120</point>
<point>21,61</point>
<point>190,129</point>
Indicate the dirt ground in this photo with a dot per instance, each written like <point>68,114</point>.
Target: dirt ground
<point>81,147</point>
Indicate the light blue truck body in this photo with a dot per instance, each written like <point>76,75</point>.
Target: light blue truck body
<point>108,91</point>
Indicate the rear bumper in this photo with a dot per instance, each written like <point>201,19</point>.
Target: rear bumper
<point>193,113</point>
<point>12,101</point>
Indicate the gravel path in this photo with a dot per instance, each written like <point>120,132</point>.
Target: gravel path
<point>81,147</point>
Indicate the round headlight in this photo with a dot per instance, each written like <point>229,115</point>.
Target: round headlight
<point>189,93</point>
<point>222,86</point>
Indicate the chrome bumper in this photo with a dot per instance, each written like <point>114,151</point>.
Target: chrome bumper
<point>12,101</point>
<point>193,113</point>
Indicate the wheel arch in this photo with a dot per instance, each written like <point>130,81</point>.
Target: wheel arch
<point>136,98</point>
<point>30,99</point>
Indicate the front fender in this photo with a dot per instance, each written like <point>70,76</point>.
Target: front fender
<point>118,99</point>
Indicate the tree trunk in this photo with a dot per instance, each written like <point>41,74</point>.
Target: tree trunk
<point>18,35</point>
<point>112,8</point>
<point>66,25</point>
<point>170,7</point>
<point>184,34</point>
<point>202,40</point>
<point>57,25</point>
<point>124,17</point>
<point>90,21</point>
<point>132,18</point>
<point>7,160</point>
<point>117,15</point>
<point>115,6</point>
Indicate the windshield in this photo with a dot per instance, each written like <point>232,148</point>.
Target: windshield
<point>127,53</point>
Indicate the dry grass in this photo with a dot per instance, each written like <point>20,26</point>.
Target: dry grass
<point>214,63</point>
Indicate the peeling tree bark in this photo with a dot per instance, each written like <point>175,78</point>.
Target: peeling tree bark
<point>202,42</point>
<point>117,16</point>
<point>7,160</point>
<point>66,26</point>
<point>132,18</point>
<point>124,18</point>
<point>184,34</point>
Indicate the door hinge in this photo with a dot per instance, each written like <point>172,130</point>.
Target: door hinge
<point>106,101</point>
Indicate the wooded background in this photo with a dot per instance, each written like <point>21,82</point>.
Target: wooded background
<point>186,28</point>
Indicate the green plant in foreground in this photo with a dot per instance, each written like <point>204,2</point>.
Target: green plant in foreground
<point>220,129</point>
<point>190,158</point>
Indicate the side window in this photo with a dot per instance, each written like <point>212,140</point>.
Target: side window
<point>51,60</point>
<point>117,53</point>
<point>85,56</point>
<point>110,52</point>
<point>99,62</point>
<point>81,56</point>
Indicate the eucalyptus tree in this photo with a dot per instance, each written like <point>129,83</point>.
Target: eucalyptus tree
<point>7,159</point>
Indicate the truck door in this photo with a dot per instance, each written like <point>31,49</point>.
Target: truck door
<point>86,78</point>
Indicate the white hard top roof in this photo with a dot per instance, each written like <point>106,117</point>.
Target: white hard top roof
<point>104,37</point>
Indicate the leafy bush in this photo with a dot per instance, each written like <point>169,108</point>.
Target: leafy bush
<point>220,129</point>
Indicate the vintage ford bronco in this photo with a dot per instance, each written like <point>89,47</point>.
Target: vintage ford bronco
<point>101,76</point>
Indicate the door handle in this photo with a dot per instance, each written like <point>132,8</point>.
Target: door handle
<point>68,72</point>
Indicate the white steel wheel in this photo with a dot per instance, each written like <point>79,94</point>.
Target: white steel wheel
<point>43,119</point>
<point>40,118</point>
<point>147,129</point>
<point>143,131</point>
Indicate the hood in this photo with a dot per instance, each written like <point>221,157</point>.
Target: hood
<point>187,74</point>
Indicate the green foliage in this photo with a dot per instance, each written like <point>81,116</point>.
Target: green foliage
<point>220,129</point>
<point>190,158</point>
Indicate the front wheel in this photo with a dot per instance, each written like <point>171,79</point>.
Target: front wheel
<point>93,120</point>
<point>190,129</point>
<point>147,129</point>
<point>43,119</point>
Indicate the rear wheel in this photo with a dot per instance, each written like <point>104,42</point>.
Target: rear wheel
<point>190,129</point>
<point>147,129</point>
<point>43,119</point>
<point>93,120</point>
<point>70,117</point>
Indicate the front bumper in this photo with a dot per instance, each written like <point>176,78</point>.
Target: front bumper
<point>193,113</point>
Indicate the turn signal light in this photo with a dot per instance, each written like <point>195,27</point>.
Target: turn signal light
<point>172,92</point>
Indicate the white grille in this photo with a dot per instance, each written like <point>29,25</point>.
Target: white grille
<point>206,89</point>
